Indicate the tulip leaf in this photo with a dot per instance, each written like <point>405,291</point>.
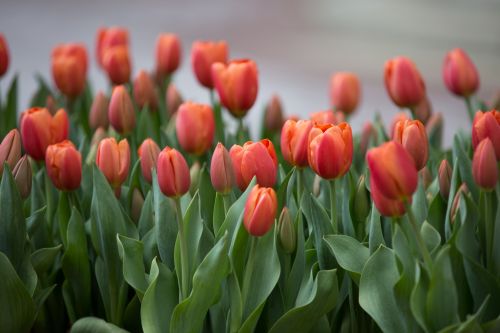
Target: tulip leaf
<point>131,253</point>
<point>437,213</point>
<point>146,220</point>
<point>42,92</point>
<point>345,193</point>
<point>207,197</point>
<point>465,167</point>
<point>10,110</point>
<point>454,184</point>
<point>219,213</point>
<point>43,259</point>
<point>431,236</point>
<point>418,298</point>
<point>375,237</point>
<point>419,205</point>
<point>95,325</point>
<point>350,254</point>
<point>294,279</point>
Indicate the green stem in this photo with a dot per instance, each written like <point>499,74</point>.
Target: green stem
<point>48,198</point>
<point>249,269</point>
<point>420,241</point>
<point>333,206</point>
<point>352,313</point>
<point>413,113</point>
<point>219,122</point>
<point>240,134</point>
<point>227,202</point>
<point>300,184</point>
<point>183,249</point>
<point>470,110</point>
<point>488,219</point>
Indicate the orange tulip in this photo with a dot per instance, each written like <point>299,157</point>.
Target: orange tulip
<point>274,114</point>
<point>260,210</point>
<point>294,141</point>
<point>237,85</point>
<point>345,91</point>
<point>173,99</point>
<point>98,115</point>
<point>487,125</point>
<point>39,129</point>
<point>116,63</point>
<point>69,68</point>
<point>412,135</point>
<point>168,54</point>
<point>203,55</point>
<point>64,165</point>
<point>459,73</point>
<point>145,91</point>
<point>444,178</point>
<point>403,82</point>
<point>221,170</point>
<point>10,150</point>
<point>400,116</point>
<point>4,55</point>
<point>323,117</point>
<point>113,159</point>
<point>386,206</point>
<point>108,38</point>
<point>148,153</point>
<point>330,150</point>
<point>173,173</point>
<point>484,165</point>
<point>195,127</point>
<point>121,111</point>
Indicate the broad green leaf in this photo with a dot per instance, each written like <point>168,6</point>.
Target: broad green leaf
<point>207,197</point>
<point>419,205</point>
<point>95,325</point>
<point>43,259</point>
<point>131,253</point>
<point>350,254</point>
<point>431,236</point>
<point>437,213</point>
<point>345,193</point>
<point>294,279</point>
<point>375,237</point>
<point>11,107</point>
<point>146,221</point>
<point>219,213</point>
<point>465,167</point>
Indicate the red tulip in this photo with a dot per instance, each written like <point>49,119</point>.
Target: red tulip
<point>64,165</point>
<point>145,91</point>
<point>484,165</point>
<point>323,117</point>
<point>260,210</point>
<point>294,141</point>
<point>195,127</point>
<point>98,115</point>
<point>22,175</point>
<point>121,111</point>
<point>487,125</point>
<point>69,68</point>
<point>173,99</point>
<point>386,206</point>
<point>113,159</point>
<point>108,38</point>
<point>10,150</point>
<point>400,116</point>
<point>168,54</point>
<point>412,135</point>
<point>459,73</point>
<point>274,114</point>
<point>116,63</point>
<point>221,170</point>
<point>4,55</point>
<point>203,56</point>
<point>345,91</point>
<point>444,178</point>
<point>403,82</point>
<point>173,173</point>
<point>148,153</point>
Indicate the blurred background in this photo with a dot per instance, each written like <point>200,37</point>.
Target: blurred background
<point>297,44</point>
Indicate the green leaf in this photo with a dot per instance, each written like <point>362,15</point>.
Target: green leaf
<point>419,204</point>
<point>437,213</point>
<point>465,167</point>
<point>43,259</point>
<point>431,236</point>
<point>418,298</point>
<point>375,237</point>
<point>294,279</point>
<point>95,325</point>
<point>207,197</point>
<point>131,252</point>
<point>10,120</point>
<point>219,213</point>
<point>350,254</point>
<point>454,183</point>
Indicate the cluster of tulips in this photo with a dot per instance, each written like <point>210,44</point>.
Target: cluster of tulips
<point>310,228</point>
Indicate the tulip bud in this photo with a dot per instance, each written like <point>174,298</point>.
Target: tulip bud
<point>434,128</point>
<point>344,91</point>
<point>108,38</point>
<point>412,136</point>
<point>487,125</point>
<point>22,176</point>
<point>426,176</point>
<point>173,173</point>
<point>98,116</point>
<point>173,99</point>
<point>121,111</point>
<point>4,55</point>
<point>330,150</point>
<point>444,178</point>
<point>294,141</point>
<point>116,63</point>
<point>39,129</point>
<point>423,111</point>
<point>137,203</point>
<point>221,170</point>
<point>396,119</point>
<point>484,165</point>
<point>64,165</point>
<point>361,201</point>
<point>10,149</point>
<point>274,114</point>
<point>69,68</point>
<point>403,82</point>
<point>260,210</point>
<point>51,104</point>
<point>194,175</point>
<point>195,127</point>
<point>459,73</point>
<point>145,91</point>
<point>392,170</point>
<point>168,54</point>
<point>462,190</point>
<point>148,153</point>
<point>203,56</point>
<point>323,117</point>
<point>113,159</point>
<point>386,206</point>
<point>293,117</point>
<point>286,232</point>
<point>237,85</point>
<point>368,136</point>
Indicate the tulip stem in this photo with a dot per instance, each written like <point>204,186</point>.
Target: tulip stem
<point>240,134</point>
<point>300,184</point>
<point>183,249</point>
<point>249,269</point>
<point>219,122</point>
<point>413,113</point>
<point>470,110</point>
<point>488,219</point>
<point>333,206</point>
<point>420,241</point>
<point>227,202</point>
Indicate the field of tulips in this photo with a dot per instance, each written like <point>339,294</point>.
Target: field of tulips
<point>130,210</point>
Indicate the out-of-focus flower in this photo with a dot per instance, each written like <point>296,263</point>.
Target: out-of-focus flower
<point>487,125</point>
<point>459,73</point>
<point>294,141</point>
<point>10,150</point>
<point>145,92</point>
<point>412,136</point>
<point>121,112</point>
<point>195,127</point>
<point>221,170</point>
<point>168,54</point>
<point>203,55</point>
<point>462,190</point>
<point>4,55</point>
<point>173,99</point>
<point>274,114</point>
<point>403,82</point>
<point>286,232</point>
<point>69,68</point>
<point>484,165</point>
<point>64,165</point>
<point>22,176</point>
<point>98,115</point>
<point>260,210</point>
<point>108,38</point>
<point>444,178</point>
<point>345,91</point>
<point>173,173</point>
<point>423,111</point>
<point>148,153</point>
<point>323,117</point>
<point>116,63</point>
<point>113,159</point>
<point>397,118</point>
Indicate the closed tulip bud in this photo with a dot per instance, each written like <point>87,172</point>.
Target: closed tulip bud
<point>361,201</point>
<point>330,150</point>
<point>254,159</point>
<point>51,104</point>
<point>145,92</point>
<point>98,115</point>
<point>423,111</point>
<point>260,210</point>
<point>392,170</point>
<point>487,125</point>
<point>444,178</point>
<point>459,73</point>
<point>294,141</point>
<point>434,128</point>
<point>148,153</point>
<point>484,165</point>
<point>396,119</point>
<point>368,136</point>
<point>345,91</point>
<point>426,177</point>
<point>412,136</point>
<point>113,159</point>
<point>10,149</point>
<point>39,129</point>
<point>495,101</point>
<point>195,127</point>
<point>194,175</point>
<point>4,55</point>
<point>22,176</point>
<point>221,170</point>
<point>237,85</point>
<point>287,234</point>
<point>69,68</point>
<point>116,63</point>
<point>168,54</point>
<point>462,190</point>
<point>203,56</point>
<point>173,173</point>
<point>274,114</point>
<point>64,165</point>
<point>108,38</point>
<point>323,117</point>
<point>137,203</point>
<point>386,206</point>
<point>403,82</point>
<point>173,99</point>
<point>121,111</point>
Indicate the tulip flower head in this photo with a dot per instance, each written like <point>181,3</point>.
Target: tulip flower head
<point>386,206</point>
<point>221,170</point>
<point>4,55</point>
<point>148,153</point>
<point>10,150</point>
<point>116,63</point>
<point>203,55</point>
<point>69,68</point>
<point>173,99</point>
<point>345,92</point>
<point>195,127</point>
<point>98,115</point>
<point>403,82</point>
<point>173,173</point>
<point>323,117</point>
<point>145,91</point>
<point>444,178</point>
<point>113,159</point>
<point>294,141</point>
<point>121,111</point>
<point>64,165</point>
<point>108,38</point>
<point>484,165</point>
<point>22,175</point>
<point>273,118</point>
<point>260,210</point>
<point>459,73</point>
<point>412,136</point>
<point>168,54</point>
<point>487,125</point>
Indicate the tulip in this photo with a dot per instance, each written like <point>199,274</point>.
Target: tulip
<point>116,63</point>
<point>221,170</point>
<point>4,55</point>
<point>113,159</point>
<point>121,111</point>
<point>136,206</point>
<point>108,38</point>
<point>397,118</point>
<point>344,92</point>
<point>423,111</point>
<point>51,104</point>
<point>412,136</point>
<point>484,165</point>
<point>98,115</point>
<point>195,127</point>
<point>294,141</point>
<point>403,82</point>
<point>194,175</point>
<point>368,137</point>
<point>426,176</point>
<point>148,153</point>
<point>286,232</point>
<point>22,176</point>
<point>39,129</point>
<point>462,190</point>
<point>323,117</point>
<point>273,115</point>
<point>393,171</point>
<point>64,165</point>
<point>168,54</point>
<point>459,73</point>
<point>69,68</point>
<point>254,159</point>
<point>173,99</point>
<point>145,92</point>
<point>444,178</point>
<point>487,125</point>
<point>203,56</point>
<point>386,206</point>
<point>237,85</point>
<point>260,210</point>
<point>10,150</point>
<point>173,173</point>
<point>330,150</point>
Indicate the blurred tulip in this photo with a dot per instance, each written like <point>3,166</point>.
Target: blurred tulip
<point>108,38</point>
<point>173,99</point>
<point>203,55</point>
<point>137,203</point>
<point>403,82</point>
<point>484,165</point>
<point>386,207</point>
<point>462,190</point>
<point>273,114</point>
<point>345,92</point>
<point>22,175</point>
<point>254,159</point>
<point>195,127</point>
<point>173,173</point>
<point>148,153</point>
<point>10,150</point>
<point>116,63</point>
<point>397,118</point>
<point>51,104</point>
<point>487,125</point>
<point>330,150</point>
<point>64,165</point>
<point>39,129</point>
<point>121,111</point>
<point>69,68</point>
<point>168,54</point>
<point>113,159</point>
<point>145,91</point>
<point>260,210</point>
<point>368,135</point>
<point>495,101</point>
<point>444,178</point>
<point>221,170</point>
<point>426,176</point>
<point>423,111</point>
<point>4,55</point>
<point>392,170</point>
<point>459,73</point>
<point>294,141</point>
<point>412,136</point>
<point>323,117</point>
<point>98,115</point>
<point>194,175</point>
<point>237,85</point>
<point>286,232</point>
